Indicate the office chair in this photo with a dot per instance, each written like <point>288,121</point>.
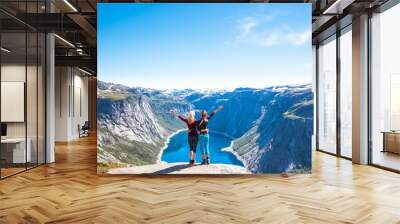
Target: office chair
<point>84,130</point>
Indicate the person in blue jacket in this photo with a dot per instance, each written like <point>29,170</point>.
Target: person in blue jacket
<point>204,137</point>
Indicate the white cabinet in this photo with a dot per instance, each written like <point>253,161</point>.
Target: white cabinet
<point>19,155</point>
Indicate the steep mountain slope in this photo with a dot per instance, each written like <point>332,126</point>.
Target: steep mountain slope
<point>280,140</point>
<point>130,131</point>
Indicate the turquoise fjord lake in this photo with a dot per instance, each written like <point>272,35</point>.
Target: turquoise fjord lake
<point>177,150</point>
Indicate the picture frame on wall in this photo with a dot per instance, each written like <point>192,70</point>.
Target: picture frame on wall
<point>204,88</point>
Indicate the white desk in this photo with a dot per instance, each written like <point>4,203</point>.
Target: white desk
<point>19,155</point>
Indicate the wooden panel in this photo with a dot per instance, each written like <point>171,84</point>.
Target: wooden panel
<point>392,142</point>
<point>92,99</point>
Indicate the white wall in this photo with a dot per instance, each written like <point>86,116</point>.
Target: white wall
<point>17,73</point>
<point>81,103</point>
<point>327,96</point>
<point>346,94</point>
<point>62,82</point>
<point>71,102</point>
<point>385,73</point>
<point>386,68</point>
<point>33,126</point>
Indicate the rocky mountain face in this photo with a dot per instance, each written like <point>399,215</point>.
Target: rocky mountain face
<point>132,126</point>
<point>280,139</point>
<point>271,127</point>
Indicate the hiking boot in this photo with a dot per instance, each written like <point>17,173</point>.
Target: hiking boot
<point>204,162</point>
<point>208,161</point>
<point>191,163</point>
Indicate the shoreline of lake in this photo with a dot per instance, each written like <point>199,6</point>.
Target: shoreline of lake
<point>230,149</point>
<point>224,149</point>
<point>166,145</point>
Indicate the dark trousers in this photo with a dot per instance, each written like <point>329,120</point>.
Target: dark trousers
<point>193,140</point>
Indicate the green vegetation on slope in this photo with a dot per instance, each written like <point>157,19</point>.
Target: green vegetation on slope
<point>130,152</point>
<point>113,95</point>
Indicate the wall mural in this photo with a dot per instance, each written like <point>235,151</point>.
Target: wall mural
<point>204,88</point>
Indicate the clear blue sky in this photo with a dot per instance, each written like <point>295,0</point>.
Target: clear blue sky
<point>204,45</point>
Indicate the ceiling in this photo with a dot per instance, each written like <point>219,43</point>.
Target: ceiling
<point>75,22</point>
